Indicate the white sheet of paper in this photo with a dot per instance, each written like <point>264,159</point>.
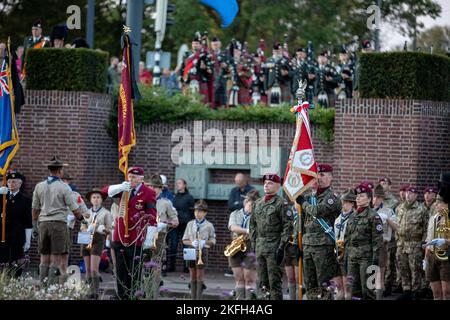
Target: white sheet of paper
<point>149,237</point>
<point>83,237</point>
<point>189,254</point>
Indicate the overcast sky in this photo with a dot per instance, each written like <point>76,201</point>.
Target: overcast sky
<point>391,37</point>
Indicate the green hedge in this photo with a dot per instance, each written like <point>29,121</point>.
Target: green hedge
<point>156,106</point>
<point>67,69</point>
<point>405,75</point>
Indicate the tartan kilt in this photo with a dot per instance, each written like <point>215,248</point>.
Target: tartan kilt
<point>244,97</point>
<point>285,93</point>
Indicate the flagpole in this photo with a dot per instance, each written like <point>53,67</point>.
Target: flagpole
<point>4,209</point>
<point>300,247</point>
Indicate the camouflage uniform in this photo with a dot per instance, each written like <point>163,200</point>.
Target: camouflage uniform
<point>363,241</point>
<point>319,260</point>
<point>270,229</point>
<point>392,276</point>
<point>411,233</point>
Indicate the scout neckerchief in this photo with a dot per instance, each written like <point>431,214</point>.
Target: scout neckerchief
<point>244,223</point>
<point>52,179</point>
<point>198,223</point>
<point>343,219</point>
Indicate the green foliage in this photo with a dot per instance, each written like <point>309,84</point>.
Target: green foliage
<point>405,75</point>
<point>67,69</point>
<point>155,106</point>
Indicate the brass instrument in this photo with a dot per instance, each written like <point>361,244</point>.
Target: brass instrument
<point>89,246</point>
<point>155,238</point>
<point>340,250</point>
<point>238,244</point>
<point>441,230</point>
<point>199,261</point>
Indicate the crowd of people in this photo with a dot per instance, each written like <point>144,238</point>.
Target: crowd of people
<point>345,238</point>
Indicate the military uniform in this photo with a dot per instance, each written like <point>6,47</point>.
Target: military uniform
<point>319,259</point>
<point>270,229</point>
<point>325,88</point>
<point>18,220</point>
<point>220,81</point>
<point>33,43</point>
<point>345,72</point>
<point>411,233</point>
<point>278,86</point>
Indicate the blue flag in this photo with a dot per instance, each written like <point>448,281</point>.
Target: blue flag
<point>9,138</point>
<point>227,9</point>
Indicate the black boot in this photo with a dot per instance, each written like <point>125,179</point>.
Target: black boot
<point>417,295</point>
<point>407,295</point>
<point>387,292</point>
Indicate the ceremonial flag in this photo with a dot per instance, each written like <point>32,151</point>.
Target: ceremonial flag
<point>227,9</point>
<point>301,170</point>
<point>127,92</point>
<point>9,137</point>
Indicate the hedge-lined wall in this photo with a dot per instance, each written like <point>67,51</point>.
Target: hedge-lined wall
<point>404,75</point>
<point>67,69</point>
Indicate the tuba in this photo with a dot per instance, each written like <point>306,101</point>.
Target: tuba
<point>441,230</point>
<point>238,244</point>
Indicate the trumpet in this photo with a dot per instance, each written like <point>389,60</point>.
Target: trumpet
<point>199,261</point>
<point>441,230</point>
<point>89,246</point>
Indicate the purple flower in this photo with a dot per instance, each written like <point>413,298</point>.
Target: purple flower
<point>251,254</point>
<point>356,298</point>
<point>139,293</point>
<point>137,258</point>
<point>227,294</point>
<point>144,255</point>
<point>163,289</point>
<point>150,264</point>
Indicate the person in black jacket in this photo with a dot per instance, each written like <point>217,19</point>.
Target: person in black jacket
<point>184,203</point>
<point>238,193</point>
<point>18,227</point>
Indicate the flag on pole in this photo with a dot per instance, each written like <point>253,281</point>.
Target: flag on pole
<point>301,169</point>
<point>9,137</point>
<point>227,9</point>
<point>127,92</point>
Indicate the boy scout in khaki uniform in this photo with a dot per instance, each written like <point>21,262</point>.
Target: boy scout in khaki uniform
<point>51,198</point>
<point>199,234</point>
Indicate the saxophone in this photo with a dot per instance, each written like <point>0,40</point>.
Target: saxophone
<point>238,244</point>
<point>441,230</point>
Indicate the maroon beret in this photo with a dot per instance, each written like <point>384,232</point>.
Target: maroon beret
<point>363,188</point>
<point>368,184</point>
<point>385,179</point>
<point>412,189</point>
<point>136,170</point>
<point>324,167</point>
<point>404,187</point>
<point>272,177</point>
<point>430,189</point>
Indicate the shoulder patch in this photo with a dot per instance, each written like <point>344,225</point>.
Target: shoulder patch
<point>379,227</point>
<point>330,201</point>
<point>289,213</point>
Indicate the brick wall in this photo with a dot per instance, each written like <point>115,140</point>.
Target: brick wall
<point>404,139</point>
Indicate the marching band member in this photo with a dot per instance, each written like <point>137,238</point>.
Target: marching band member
<point>99,226</point>
<point>199,234</point>
<point>348,201</point>
<point>243,263</point>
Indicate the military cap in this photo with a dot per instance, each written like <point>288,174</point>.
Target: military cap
<point>362,188</point>
<point>215,39</point>
<point>430,189</point>
<point>343,50</point>
<point>201,205</point>
<point>324,53</point>
<point>301,49</point>
<point>37,23</point>
<point>366,44</point>
<point>55,162</point>
<point>324,167</point>
<point>136,170</point>
<point>385,179</point>
<point>155,181</point>
<point>276,46</point>
<point>59,32</point>
<point>349,195</point>
<point>15,175</point>
<point>197,37</point>
<point>368,184</point>
<point>403,187</point>
<point>271,177</point>
<point>347,72</point>
<point>379,191</point>
<point>96,190</point>
<point>80,43</point>
<point>412,189</point>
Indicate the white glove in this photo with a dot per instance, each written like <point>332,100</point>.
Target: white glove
<point>424,264</point>
<point>161,226</point>
<point>70,218</point>
<point>108,243</point>
<point>3,190</point>
<point>27,244</point>
<point>437,242</point>
<point>195,244</point>
<point>201,244</point>
<point>247,230</point>
<point>101,229</point>
<point>90,228</point>
<point>118,188</point>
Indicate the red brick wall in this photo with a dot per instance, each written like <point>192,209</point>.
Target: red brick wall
<point>403,139</point>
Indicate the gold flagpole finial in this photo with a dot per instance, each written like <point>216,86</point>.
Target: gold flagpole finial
<point>126,29</point>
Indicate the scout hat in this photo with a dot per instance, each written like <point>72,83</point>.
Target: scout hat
<point>155,181</point>
<point>379,191</point>
<point>95,190</point>
<point>201,205</point>
<point>252,195</point>
<point>349,195</point>
<point>56,162</point>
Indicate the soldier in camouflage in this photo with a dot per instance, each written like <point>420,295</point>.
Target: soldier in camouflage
<point>390,200</point>
<point>319,260</point>
<point>411,234</point>
<point>270,228</point>
<point>363,241</point>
